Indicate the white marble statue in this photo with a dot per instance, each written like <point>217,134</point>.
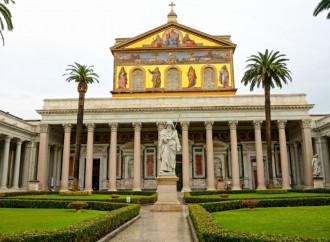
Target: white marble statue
<point>317,166</point>
<point>168,144</point>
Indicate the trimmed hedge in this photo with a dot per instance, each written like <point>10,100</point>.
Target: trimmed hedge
<point>283,202</point>
<point>271,191</point>
<point>144,200</point>
<point>200,193</point>
<point>317,190</point>
<point>208,229</point>
<point>90,230</point>
<point>127,192</point>
<point>14,194</point>
<point>75,193</point>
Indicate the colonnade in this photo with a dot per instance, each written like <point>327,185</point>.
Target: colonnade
<point>210,181</point>
<point>28,157</point>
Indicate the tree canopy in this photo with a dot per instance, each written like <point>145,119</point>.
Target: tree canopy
<point>81,73</point>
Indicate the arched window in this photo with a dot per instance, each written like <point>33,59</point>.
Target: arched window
<point>137,80</point>
<point>208,78</point>
<point>173,77</point>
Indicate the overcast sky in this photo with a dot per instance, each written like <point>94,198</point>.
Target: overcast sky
<point>48,35</point>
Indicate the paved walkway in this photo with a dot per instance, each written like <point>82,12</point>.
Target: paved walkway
<point>157,226</point>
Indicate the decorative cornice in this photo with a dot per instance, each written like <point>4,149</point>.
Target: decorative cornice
<point>257,124</point>
<point>137,126</point>
<point>90,127</point>
<point>306,123</point>
<point>171,109</point>
<point>67,128</point>
<point>44,128</point>
<point>281,124</point>
<point>208,125</point>
<point>232,125</point>
<point>113,126</point>
<point>160,125</point>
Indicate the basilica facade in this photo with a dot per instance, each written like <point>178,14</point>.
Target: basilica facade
<point>172,72</point>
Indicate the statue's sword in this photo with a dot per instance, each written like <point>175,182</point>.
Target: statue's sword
<point>177,121</point>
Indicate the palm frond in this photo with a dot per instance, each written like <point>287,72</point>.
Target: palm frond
<point>268,67</point>
<point>322,6</point>
<point>81,73</point>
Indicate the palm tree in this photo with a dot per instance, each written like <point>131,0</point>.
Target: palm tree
<point>83,75</point>
<point>268,70</point>
<point>5,16</point>
<point>323,5</point>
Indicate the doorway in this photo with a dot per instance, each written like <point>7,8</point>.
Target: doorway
<point>178,172</point>
<point>96,174</point>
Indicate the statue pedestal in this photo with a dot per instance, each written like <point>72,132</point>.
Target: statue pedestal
<point>221,186</point>
<point>318,182</point>
<point>167,194</point>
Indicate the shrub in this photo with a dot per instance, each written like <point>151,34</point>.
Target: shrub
<point>127,192</point>
<point>78,205</point>
<point>14,194</point>
<point>90,230</point>
<point>114,196</point>
<point>75,193</point>
<point>272,191</point>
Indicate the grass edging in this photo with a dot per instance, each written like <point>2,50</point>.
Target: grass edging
<point>90,230</point>
<point>208,229</point>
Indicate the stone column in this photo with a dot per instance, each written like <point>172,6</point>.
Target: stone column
<point>89,157</point>
<point>55,161</point>
<point>259,157</point>
<point>26,165</point>
<point>4,172</point>
<point>324,156</point>
<point>234,155</point>
<point>17,163</point>
<point>308,152</point>
<point>58,167</point>
<point>33,161</point>
<point>160,127</point>
<point>209,155</point>
<point>298,165</point>
<point>66,157</point>
<point>137,156</point>
<point>185,157</point>
<point>284,155</point>
<point>43,156</point>
<point>113,157</point>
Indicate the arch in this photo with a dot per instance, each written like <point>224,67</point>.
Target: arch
<point>205,67</point>
<point>179,87</point>
<point>143,81</point>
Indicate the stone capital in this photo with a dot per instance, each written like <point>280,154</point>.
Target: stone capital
<point>306,123</point>
<point>44,128</point>
<point>29,144</point>
<point>90,127</point>
<point>19,142</point>
<point>55,148</point>
<point>233,124</point>
<point>281,124</point>
<point>184,126</point>
<point>160,125</point>
<point>208,125</point>
<point>321,140</point>
<point>113,126</point>
<point>67,128</point>
<point>8,138</point>
<point>137,126</point>
<point>295,144</point>
<point>257,124</point>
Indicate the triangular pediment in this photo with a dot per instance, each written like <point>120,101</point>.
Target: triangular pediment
<point>173,35</point>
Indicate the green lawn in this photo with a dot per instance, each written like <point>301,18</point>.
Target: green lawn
<point>256,195</point>
<point>311,221</point>
<point>18,220</point>
<point>92,197</point>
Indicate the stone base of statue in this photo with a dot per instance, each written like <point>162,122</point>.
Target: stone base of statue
<point>318,182</point>
<point>167,194</point>
<point>221,186</point>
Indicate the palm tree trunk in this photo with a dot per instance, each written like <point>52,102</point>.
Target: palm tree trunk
<point>80,118</point>
<point>268,135</point>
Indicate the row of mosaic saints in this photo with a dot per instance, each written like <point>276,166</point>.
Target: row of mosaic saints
<point>156,77</point>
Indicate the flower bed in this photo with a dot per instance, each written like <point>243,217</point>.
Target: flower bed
<point>90,230</point>
<point>208,229</point>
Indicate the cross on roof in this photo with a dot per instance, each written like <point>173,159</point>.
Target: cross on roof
<point>171,5</point>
